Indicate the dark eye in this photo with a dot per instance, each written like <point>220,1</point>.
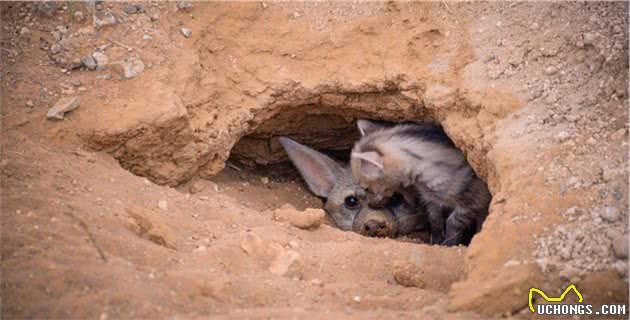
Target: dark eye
<point>396,200</point>
<point>351,202</point>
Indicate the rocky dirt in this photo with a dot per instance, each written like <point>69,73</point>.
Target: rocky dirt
<point>156,186</point>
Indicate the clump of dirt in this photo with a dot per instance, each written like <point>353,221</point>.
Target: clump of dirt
<point>155,197</point>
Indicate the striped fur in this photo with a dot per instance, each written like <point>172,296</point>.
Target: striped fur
<point>389,159</point>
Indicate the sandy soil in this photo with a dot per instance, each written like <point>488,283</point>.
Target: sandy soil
<point>127,209</point>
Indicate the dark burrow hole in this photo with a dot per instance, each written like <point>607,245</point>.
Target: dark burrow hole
<point>260,154</point>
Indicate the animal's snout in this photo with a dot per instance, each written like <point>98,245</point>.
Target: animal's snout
<point>375,228</point>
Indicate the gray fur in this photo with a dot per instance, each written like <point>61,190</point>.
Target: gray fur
<point>422,157</point>
<point>329,180</point>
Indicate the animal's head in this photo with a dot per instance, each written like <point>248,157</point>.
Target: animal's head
<point>346,202</point>
<point>367,165</point>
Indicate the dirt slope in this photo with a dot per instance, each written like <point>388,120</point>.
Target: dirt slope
<point>126,208</point>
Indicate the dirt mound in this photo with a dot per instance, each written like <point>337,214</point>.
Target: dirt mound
<point>125,208</point>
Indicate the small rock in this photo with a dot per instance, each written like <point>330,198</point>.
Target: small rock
<point>147,37</point>
<point>89,62</point>
<point>562,136</point>
<point>101,60</point>
<point>294,244</point>
<point>30,104</point>
<point>184,5</point>
<point>591,141</point>
<point>78,16</point>
<point>621,266</point>
<point>296,14</point>
<point>103,18</point>
<point>186,32</point>
<point>550,70</point>
<point>620,247</point>
<point>129,68</point>
<point>356,299</point>
<point>47,8</point>
<point>133,8</point>
<point>264,180</point>
<point>162,204</point>
<point>204,198</point>
<point>317,282</point>
<point>610,214</point>
<point>63,106</point>
<point>534,26</point>
<point>25,31</point>
<point>55,48</point>
<point>407,273</point>
<point>511,263</point>
<point>588,38</point>
<point>196,187</point>
<point>154,17</point>
<point>307,219</point>
<point>76,82</point>
<point>281,261</point>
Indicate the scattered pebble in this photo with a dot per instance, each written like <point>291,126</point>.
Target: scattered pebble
<point>29,103</point>
<point>162,204</point>
<point>101,60</point>
<point>317,282</point>
<point>89,62</point>
<point>621,266</point>
<point>196,187</point>
<point>129,68</point>
<point>63,106</point>
<point>610,214</point>
<point>25,31</point>
<point>562,136</point>
<point>78,16</point>
<point>104,18</point>
<point>620,247</point>
<point>307,219</point>
<point>55,48</point>
<point>184,5</point>
<point>551,70</point>
<point>186,32</point>
<point>133,8</point>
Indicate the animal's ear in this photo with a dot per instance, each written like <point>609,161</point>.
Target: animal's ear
<point>319,171</point>
<point>370,163</point>
<point>366,126</point>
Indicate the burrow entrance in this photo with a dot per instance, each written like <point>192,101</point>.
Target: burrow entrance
<point>331,131</point>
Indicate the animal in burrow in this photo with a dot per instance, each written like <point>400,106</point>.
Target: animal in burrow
<point>346,203</point>
<point>390,158</point>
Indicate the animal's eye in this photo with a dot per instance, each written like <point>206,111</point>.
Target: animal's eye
<point>351,202</point>
<point>396,200</point>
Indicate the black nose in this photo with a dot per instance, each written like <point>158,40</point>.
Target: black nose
<point>373,227</point>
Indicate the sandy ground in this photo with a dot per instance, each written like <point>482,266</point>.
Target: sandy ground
<point>126,209</point>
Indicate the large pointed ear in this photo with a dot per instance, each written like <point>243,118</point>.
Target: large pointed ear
<point>319,171</point>
<point>370,163</point>
<point>366,126</point>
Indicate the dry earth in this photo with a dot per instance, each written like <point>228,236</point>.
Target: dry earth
<point>126,208</point>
